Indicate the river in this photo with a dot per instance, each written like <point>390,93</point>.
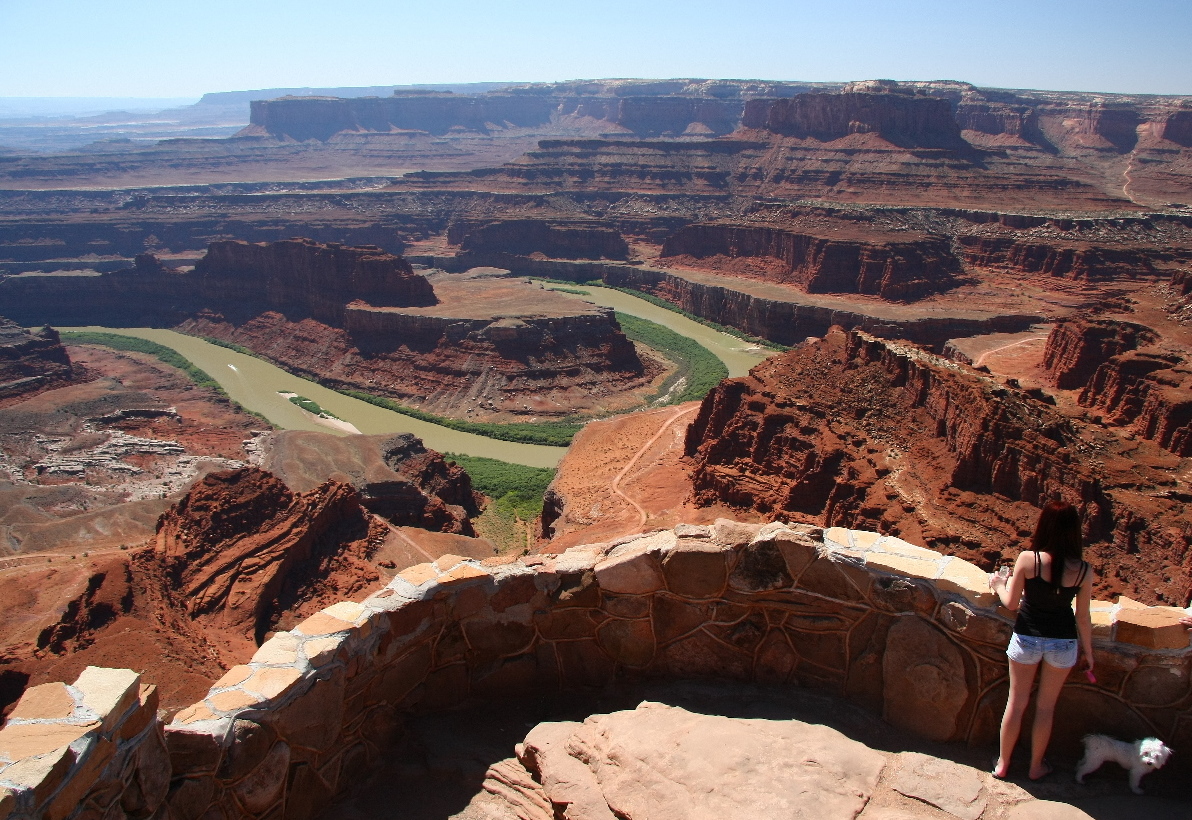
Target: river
<point>738,355</point>
<point>263,387</point>
<point>258,386</point>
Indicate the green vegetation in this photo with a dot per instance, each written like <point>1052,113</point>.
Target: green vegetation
<point>698,365</point>
<point>232,346</point>
<point>162,353</point>
<point>573,291</point>
<point>547,281</point>
<point>731,331</point>
<point>311,406</point>
<point>550,433</point>
<point>519,486</point>
<point>516,498</point>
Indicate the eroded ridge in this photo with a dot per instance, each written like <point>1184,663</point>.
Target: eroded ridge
<point>901,630</point>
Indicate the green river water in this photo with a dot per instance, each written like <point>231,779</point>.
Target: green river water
<point>259,385</point>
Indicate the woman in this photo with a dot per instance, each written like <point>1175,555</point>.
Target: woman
<point>1047,634</point>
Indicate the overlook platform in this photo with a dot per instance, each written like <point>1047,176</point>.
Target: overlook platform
<point>874,625</point>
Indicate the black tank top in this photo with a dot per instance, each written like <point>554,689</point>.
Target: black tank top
<point>1045,611</point>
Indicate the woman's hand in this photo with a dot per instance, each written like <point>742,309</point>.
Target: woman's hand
<point>999,579</point>
<point>1186,620</point>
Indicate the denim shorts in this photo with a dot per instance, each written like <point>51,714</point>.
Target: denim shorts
<point>1058,652</point>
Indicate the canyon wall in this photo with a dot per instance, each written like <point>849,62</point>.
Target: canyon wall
<point>904,267</point>
<point>909,115</point>
<point>30,361</point>
<point>851,614</point>
<point>315,279</point>
<point>1177,127</point>
<point>147,294</point>
<point>1149,390</point>
<point>1077,347</point>
<point>240,548</point>
<point>1064,259</point>
<point>855,431</point>
<point>528,236</point>
<point>320,118</point>
<point>1127,373</point>
<point>908,121</point>
<point>242,278</point>
<point>789,323</point>
<point>641,108</point>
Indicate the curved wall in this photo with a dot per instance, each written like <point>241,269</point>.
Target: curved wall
<point>904,631</point>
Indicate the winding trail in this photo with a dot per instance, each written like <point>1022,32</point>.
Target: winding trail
<point>981,359</point>
<point>616,482</point>
<point>409,542</point>
<point>1127,180</point>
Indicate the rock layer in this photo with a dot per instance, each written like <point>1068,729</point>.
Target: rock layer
<point>241,548</point>
<point>855,431</point>
<point>530,236</point>
<point>789,321</point>
<point>1149,390</point>
<point>1076,348</point>
<point>31,361</point>
<point>305,276</point>
<point>1069,260</point>
<point>892,267</point>
<point>396,476</point>
<point>905,120</point>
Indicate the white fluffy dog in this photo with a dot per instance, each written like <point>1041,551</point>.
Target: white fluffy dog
<point>1141,757</point>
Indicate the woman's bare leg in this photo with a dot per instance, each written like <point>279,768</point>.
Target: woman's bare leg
<point>1051,681</point>
<point>1022,675</point>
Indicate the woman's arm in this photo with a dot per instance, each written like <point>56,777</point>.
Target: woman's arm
<point>1084,619</point>
<point>1010,589</point>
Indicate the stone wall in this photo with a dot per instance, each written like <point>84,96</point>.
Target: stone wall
<point>901,630</point>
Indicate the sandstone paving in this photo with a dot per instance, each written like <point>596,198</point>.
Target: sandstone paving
<point>541,759</point>
<point>958,790</point>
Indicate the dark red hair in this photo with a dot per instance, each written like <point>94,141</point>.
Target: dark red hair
<point>1058,534</point>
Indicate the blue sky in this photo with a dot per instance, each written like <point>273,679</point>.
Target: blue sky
<point>166,48</point>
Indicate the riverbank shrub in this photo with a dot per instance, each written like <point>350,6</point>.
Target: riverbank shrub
<point>550,433</point>
<point>312,406</point>
<point>699,366</point>
<point>515,494</point>
<point>232,346</point>
<point>518,487</point>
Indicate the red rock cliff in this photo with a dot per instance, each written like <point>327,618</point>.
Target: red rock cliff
<point>396,476</point>
<point>298,274</point>
<point>527,236</point>
<point>1070,260</point>
<point>1177,127</point>
<point>320,118</point>
<point>30,361</point>
<point>903,267</point>
<point>1077,347</point>
<point>859,432</point>
<point>240,548</point>
<point>906,120</point>
<point>1151,391</point>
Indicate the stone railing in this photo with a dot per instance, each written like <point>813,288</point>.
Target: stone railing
<point>908,633</point>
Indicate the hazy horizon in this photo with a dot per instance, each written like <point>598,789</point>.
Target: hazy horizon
<point>136,49</point>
